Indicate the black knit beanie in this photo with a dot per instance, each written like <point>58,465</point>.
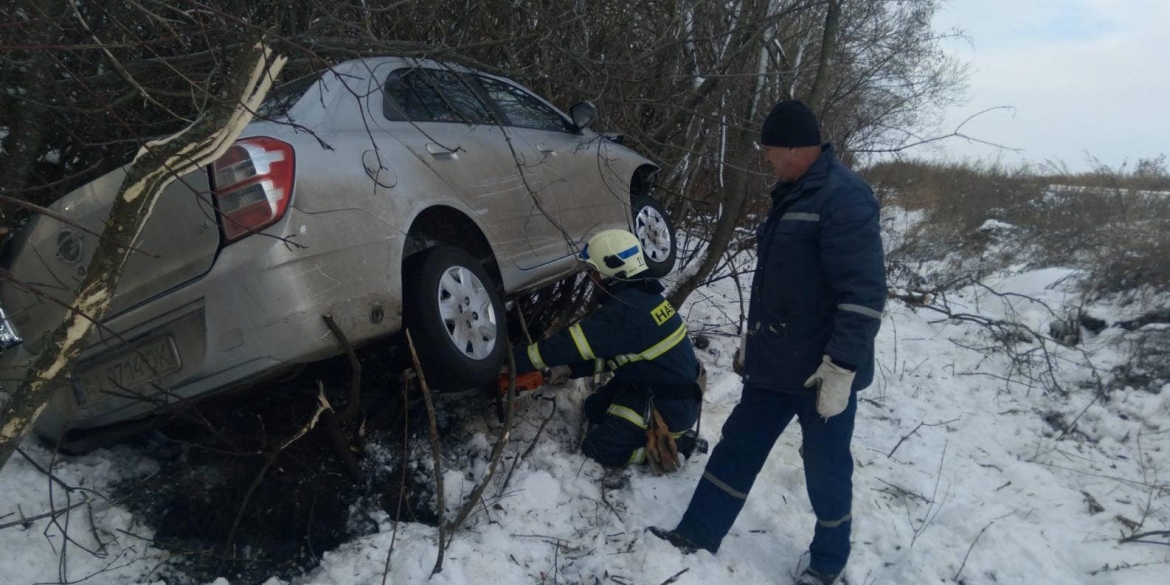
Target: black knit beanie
<point>791,124</point>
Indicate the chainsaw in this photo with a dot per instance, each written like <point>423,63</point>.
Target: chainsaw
<point>524,382</point>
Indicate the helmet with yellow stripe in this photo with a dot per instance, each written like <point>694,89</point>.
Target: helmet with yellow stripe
<point>615,254</point>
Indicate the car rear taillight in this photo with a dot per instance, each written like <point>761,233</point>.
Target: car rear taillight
<point>253,184</point>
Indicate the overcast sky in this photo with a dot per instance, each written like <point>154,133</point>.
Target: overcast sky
<point>1082,75</point>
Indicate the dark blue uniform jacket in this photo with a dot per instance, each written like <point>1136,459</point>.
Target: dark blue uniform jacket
<point>820,285</point>
<point>635,333</point>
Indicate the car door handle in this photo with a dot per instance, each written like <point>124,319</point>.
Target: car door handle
<point>546,149</point>
<point>440,151</point>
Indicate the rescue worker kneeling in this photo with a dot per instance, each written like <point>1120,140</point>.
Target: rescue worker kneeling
<point>654,396</point>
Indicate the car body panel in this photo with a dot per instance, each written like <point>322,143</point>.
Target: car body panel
<point>570,159</point>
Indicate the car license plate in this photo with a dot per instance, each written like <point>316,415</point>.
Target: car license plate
<point>147,363</point>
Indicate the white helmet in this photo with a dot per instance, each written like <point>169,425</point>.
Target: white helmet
<point>615,254</point>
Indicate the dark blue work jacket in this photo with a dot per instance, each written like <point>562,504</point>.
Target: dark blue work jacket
<point>636,333</point>
<point>820,283</point>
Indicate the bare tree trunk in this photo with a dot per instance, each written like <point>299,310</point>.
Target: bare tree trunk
<point>156,166</point>
<point>820,86</point>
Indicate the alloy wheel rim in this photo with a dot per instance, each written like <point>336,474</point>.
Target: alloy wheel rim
<point>467,312</point>
<point>653,234</point>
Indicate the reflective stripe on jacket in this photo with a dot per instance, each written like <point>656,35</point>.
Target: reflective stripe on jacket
<point>820,284</point>
<point>636,333</point>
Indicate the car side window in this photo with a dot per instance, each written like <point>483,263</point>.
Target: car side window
<point>521,108</point>
<point>431,95</point>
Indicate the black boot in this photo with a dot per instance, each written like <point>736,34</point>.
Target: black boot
<point>679,541</point>
<point>615,478</point>
<point>811,577</point>
<point>689,442</point>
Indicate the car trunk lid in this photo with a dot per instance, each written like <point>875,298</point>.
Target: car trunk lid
<point>178,244</point>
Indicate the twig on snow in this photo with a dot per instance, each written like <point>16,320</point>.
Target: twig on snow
<point>55,479</point>
<point>497,449</point>
<point>402,480</point>
<point>336,423</point>
<point>322,406</point>
<point>1140,536</point>
<point>931,510</point>
<point>1123,567</point>
<point>436,452</point>
<point>901,491</point>
<point>26,520</point>
<point>516,463</point>
<point>920,425</point>
<point>969,549</point>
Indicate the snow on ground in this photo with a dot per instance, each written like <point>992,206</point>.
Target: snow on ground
<point>959,479</point>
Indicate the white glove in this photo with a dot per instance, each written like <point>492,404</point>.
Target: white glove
<point>737,361</point>
<point>558,375</point>
<point>834,385</point>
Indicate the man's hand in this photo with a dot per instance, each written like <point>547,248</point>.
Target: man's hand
<point>834,385</point>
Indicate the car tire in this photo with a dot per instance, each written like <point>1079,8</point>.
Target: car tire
<point>654,231</point>
<point>455,317</point>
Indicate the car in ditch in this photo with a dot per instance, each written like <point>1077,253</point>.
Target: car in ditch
<point>383,192</point>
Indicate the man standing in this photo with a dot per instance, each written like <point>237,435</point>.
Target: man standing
<point>816,306</point>
<point>654,396</point>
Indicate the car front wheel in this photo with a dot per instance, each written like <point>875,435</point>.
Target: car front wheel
<point>655,233</point>
<point>455,317</point>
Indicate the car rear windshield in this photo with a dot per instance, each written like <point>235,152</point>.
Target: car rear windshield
<point>283,98</point>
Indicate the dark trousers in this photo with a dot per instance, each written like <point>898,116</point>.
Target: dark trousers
<point>748,436</point>
<point>612,439</point>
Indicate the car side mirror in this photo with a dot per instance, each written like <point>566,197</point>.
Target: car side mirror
<point>583,114</point>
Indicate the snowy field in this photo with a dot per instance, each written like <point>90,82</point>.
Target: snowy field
<point>962,477</point>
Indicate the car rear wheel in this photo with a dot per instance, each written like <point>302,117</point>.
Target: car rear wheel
<point>455,317</point>
<point>655,233</point>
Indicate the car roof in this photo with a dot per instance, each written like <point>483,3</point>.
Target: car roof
<point>371,63</point>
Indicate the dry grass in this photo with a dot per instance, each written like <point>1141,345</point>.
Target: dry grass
<point>1112,223</point>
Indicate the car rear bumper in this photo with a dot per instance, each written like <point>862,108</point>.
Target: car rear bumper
<point>258,310</point>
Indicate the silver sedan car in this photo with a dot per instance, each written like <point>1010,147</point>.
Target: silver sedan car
<point>385,193</point>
